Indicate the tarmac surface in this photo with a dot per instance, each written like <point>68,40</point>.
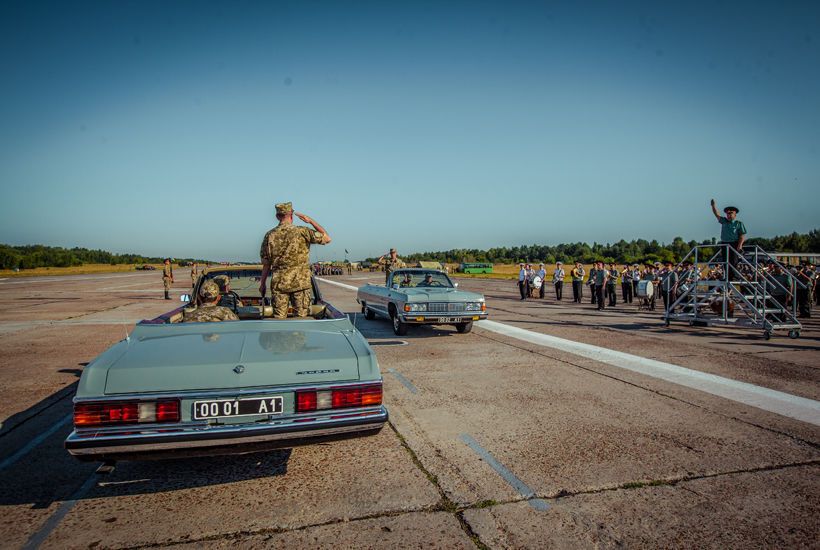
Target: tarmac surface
<point>553,426</point>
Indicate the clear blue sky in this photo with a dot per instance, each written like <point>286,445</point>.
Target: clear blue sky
<point>172,128</point>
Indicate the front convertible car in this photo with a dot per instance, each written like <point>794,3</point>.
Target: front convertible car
<point>182,389</point>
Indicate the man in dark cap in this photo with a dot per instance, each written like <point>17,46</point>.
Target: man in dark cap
<point>732,232</point>
<point>285,254</point>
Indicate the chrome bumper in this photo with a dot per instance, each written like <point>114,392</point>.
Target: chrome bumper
<point>168,441</point>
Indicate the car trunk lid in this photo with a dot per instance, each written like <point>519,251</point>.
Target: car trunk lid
<point>201,360</point>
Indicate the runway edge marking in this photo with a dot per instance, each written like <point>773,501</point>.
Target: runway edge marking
<point>785,404</point>
<point>792,406</point>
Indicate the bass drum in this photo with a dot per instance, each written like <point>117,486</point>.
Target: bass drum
<point>645,289</point>
<point>537,282</point>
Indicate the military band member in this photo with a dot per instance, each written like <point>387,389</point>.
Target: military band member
<point>669,285</point>
<point>167,277</point>
<point>610,284</point>
<point>543,274</point>
<point>626,285</point>
<point>600,280</point>
<point>391,262</point>
<point>558,280</point>
<point>591,281</point>
<point>522,281</point>
<point>285,254</point>
<point>577,274</point>
<point>208,310</point>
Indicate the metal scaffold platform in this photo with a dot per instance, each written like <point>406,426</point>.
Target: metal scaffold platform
<point>750,289</point>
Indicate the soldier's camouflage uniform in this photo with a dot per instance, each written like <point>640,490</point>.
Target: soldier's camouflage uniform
<point>391,265</point>
<point>286,248</point>
<point>193,276</point>
<point>167,275</point>
<point>208,314</point>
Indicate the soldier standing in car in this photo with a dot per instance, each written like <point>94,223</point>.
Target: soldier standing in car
<point>391,263</point>
<point>167,277</point>
<point>285,254</point>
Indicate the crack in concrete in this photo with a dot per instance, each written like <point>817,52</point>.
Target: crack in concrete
<point>100,311</point>
<point>811,444</point>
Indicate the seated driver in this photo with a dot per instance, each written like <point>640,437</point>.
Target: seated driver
<point>428,280</point>
<point>208,311</point>
<point>226,297</point>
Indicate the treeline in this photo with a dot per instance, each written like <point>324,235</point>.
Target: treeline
<point>623,252</point>
<point>31,256</point>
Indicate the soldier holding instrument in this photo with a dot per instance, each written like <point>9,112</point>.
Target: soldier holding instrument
<point>285,254</point>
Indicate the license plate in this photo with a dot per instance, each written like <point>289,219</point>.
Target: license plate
<point>443,320</point>
<point>223,408</point>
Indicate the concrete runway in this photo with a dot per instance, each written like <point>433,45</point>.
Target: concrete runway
<point>538,432</point>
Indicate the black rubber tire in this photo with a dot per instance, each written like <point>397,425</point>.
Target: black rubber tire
<point>794,334</point>
<point>767,335</point>
<point>368,313</point>
<point>399,328</point>
<point>464,328</point>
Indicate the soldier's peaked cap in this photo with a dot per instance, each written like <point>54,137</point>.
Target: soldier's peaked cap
<point>734,209</point>
<point>284,208</point>
<point>209,291</point>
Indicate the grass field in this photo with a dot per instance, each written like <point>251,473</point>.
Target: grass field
<point>76,270</point>
<point>510,271</point>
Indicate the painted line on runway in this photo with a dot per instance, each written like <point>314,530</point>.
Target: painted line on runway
<point>42,534</point>
<point>67,278</point>
<point>792,406</point>
<point>348,287</point>
<point>522,488</point>
<point>785,404</point>
<point>34,442</point>
<point>407,383</point>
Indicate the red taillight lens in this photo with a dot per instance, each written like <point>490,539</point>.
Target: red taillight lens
<point>115,413</point>
<point>168,411</point>
<point>340,398</point>
<point>305,401</point>
<point>362,396</point>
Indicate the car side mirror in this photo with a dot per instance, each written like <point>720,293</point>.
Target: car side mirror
<point>455,285</point>
<point>396,286</point>
<point>185,298</point>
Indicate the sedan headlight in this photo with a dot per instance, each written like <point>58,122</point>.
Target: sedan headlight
<point>473,306</point>
<point>415,307</point>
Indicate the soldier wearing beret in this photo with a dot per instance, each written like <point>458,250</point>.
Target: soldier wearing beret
<point>208,310</point>
<point>167,277</point>
<point>285,254</point>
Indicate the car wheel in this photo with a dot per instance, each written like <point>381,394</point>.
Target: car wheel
<point>399,328</point>
<point>464,328</point>
<point>368,313</point>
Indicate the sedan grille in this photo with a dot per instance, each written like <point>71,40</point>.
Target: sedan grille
<point>445,307</point>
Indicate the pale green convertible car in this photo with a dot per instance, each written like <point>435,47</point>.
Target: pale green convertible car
<point>414,296</point>
<point>182,389</point>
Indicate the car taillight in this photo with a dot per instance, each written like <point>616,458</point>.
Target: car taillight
<point>339,398</point>
<point>119,413</point>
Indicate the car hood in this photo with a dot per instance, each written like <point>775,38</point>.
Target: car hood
<point>231,355</point>
<point>434,294</point>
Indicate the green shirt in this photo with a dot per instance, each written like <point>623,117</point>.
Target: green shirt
<point>730,231</point>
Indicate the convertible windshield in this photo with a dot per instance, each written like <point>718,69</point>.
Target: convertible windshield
<point>421,279</point>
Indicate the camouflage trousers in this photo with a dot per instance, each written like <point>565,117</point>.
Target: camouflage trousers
<point>281,300</point>
<point>166,283</point>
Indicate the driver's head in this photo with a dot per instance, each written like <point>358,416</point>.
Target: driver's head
<point>428,277</point>
<point>223,282</point>
<point>209,293</point>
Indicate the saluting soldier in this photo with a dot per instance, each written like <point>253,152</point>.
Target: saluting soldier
<point>285,254</point>
<point>208,311</point>
<point>167,277</point>
<point>391,263</point>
